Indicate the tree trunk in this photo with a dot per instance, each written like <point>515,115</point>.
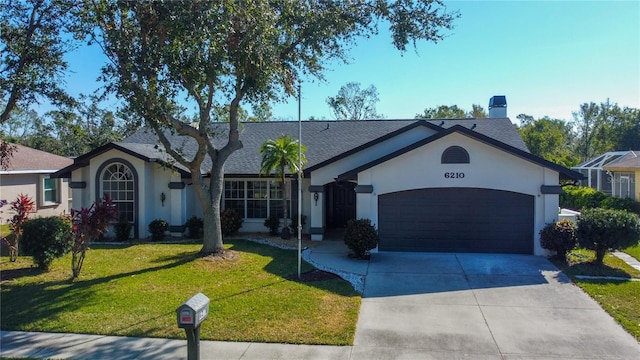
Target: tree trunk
<point>210,201</point>
<point>600,253</point>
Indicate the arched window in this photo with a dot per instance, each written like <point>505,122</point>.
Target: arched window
<point>455,155</point>
<point>118,182</point>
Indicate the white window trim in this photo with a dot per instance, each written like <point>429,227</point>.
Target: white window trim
<point>268,199</point>
<point>58,189</point>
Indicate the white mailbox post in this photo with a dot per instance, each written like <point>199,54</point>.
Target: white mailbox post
<point>190,315</point>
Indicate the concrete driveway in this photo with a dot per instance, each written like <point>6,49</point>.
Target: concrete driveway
<point>481,306</point>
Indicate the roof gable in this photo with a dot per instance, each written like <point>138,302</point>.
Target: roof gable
<point>564,172</point>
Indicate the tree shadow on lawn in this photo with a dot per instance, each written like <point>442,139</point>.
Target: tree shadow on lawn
<point>284,264</point>
<point>23,305</point>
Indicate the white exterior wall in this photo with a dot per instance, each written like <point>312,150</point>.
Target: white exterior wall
<point>327,174</point>
<point>489,168</point>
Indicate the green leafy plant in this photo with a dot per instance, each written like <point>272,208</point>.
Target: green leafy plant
<point>89,224</point>
<point>559,237</point>
<point>157,228</point>
<point>603,229</point>
<point>230,221</point>
<point>123,230</point>
<point>195,226</point>
<point>273,224</point>
<point>360,236</point>
<point>46,239</point>
<point>22,206</point>
<point>583,197</point>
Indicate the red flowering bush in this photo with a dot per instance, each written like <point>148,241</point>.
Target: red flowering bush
<point>88,225</point>
<point>22,206</point>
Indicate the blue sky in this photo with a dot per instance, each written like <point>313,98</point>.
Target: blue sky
<point>547,57</point>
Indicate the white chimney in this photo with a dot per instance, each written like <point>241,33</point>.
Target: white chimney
<point>498,106</point>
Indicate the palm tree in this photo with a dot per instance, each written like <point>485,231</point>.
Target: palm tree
<point>278,155</point>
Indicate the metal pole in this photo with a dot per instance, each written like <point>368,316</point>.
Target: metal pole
<point>299,184</point>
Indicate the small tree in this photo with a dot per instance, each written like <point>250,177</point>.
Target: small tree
<point>559,237</point>
<point>278,155</point>
<point>603,229</point>
<point>88,225</point>
<point>22,206</point>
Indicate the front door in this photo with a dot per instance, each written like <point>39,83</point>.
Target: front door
<point>341,204</point>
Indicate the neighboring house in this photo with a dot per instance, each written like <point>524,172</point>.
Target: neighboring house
<point>613,173</point>
<point>625,172</point>
<point>467,185</point>
<point>594,175</point>
<point>29,174</point>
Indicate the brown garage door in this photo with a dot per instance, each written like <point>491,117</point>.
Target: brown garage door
<point>456,220</point>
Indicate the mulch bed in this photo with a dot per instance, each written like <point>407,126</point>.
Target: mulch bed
<point>313,275</point>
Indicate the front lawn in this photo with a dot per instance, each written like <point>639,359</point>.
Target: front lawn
<point>633,251</point>
<point>620,299</point>
<point>133,290</point>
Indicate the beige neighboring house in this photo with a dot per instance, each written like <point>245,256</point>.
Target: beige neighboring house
<point>625,172</point>
<point>28,173</point>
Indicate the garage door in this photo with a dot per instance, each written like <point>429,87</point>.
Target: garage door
<point>456,220</point>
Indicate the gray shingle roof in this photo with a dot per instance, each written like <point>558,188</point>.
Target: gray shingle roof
<point>25,159</point>
<point>325,140</point>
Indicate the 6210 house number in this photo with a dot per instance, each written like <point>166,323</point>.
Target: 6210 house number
<point>454,175</point>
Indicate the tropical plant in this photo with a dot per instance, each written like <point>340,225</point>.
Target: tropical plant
<point>47,238</point>
<point>157,229</point>
<point>603,229</point>
<point>279,155</point>
<point>88,225</point>
<point>560,237</point>
<point>360,236</point>
<point>22,206</point>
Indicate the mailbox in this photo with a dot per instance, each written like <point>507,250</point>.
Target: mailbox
<point>193,311</point>
<point>190,315</point>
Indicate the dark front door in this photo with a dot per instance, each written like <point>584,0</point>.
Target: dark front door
<point>341,204</point>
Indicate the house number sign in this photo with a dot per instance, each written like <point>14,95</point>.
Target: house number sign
<point>454,175</point>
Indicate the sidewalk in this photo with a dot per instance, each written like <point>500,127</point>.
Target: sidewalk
<point>78,347</point>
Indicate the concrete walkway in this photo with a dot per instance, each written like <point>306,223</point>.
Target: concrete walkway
<point>427,306</point>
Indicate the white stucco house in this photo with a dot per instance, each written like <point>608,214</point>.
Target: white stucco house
<point>467,185</point>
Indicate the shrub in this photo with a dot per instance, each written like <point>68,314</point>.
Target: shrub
<point>616,203</point>
<point>157,229</point>
<point>230,221</point>
<point>46,239</point>
<point>360,236</point>
<point>581,197</point>
<point>195,226</point>
<point>123,230</point>
<point>603,229</point>
<point>559,237</point>
<point>294,223</point>
<point>273,223</point>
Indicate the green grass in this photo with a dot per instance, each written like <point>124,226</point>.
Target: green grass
<point>134,291</point>
<point>621,299</point>
<point>5,230</point>
<point>634,251</point>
